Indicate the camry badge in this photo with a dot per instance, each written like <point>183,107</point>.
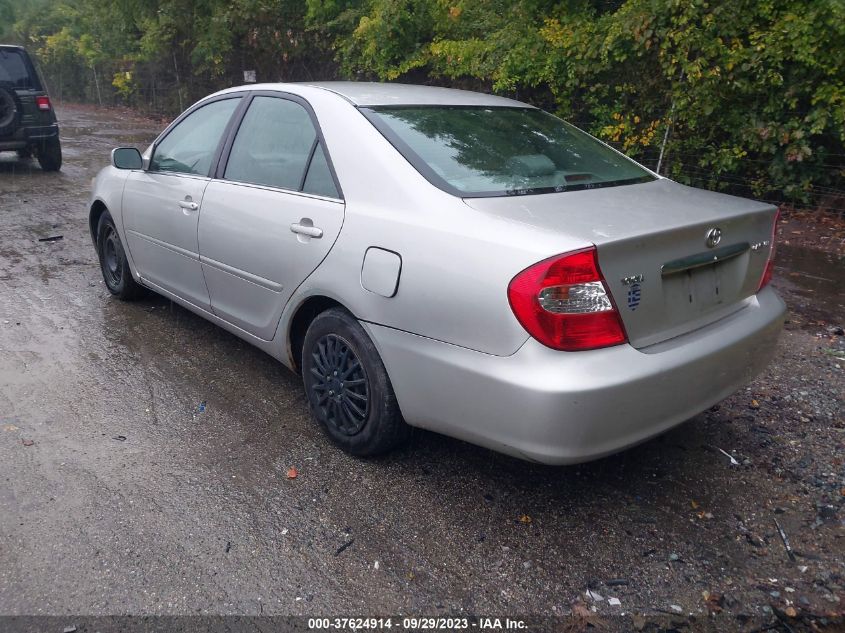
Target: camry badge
<point>632,279</point>
<point>714,236</point>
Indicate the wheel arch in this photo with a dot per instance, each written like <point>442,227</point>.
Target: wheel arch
<point>302,318</point>
<point>98,207</point>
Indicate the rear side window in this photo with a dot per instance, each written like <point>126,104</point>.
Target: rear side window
<point>277,146</point>
<point>319,179</point>
<point>15,71</point>
<point>273,144</point>
<point>189,147</point>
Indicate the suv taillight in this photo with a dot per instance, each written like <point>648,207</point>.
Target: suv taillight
<point>43,103</point>
<point>770,263</point>
<point>563,302</point>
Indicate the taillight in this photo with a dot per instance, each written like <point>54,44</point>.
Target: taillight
<point>770,263</point>
<point>563,302</point>
<point>43,103</point>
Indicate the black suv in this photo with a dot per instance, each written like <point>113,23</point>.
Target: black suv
<point>27,120</point>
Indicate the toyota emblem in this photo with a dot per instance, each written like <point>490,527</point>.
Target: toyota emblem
<point>714,236</point>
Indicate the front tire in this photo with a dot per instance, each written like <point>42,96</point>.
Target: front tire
<point>348,388</point>
<point>113,262</point>
<point>50,155</point>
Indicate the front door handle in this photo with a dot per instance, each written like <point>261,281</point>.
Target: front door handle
<point>187,204</point>
<point>304,229</point>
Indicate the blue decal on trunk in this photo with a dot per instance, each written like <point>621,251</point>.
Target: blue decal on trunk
<point>634,296</point>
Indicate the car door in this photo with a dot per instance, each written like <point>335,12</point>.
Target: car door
<point>161,205</point>
<point>271,216</point>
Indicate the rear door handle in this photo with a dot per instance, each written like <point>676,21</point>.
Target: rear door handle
<point>187,204</point>
<point>304,229</point>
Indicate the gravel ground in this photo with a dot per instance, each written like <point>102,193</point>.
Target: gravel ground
<point>144,453</point>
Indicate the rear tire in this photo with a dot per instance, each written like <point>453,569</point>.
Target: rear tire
<point>113,262</point>
<point>348,388</point>
<point>50,155</point>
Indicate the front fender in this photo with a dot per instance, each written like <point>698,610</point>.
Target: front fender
<point>107,194</point>
<point>107,190</point>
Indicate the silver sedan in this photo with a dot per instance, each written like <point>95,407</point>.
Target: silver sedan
<point>449,260</point>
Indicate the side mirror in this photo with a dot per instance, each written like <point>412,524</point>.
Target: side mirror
<point>126,158</point>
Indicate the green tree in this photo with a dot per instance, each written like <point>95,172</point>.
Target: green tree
<point>749,93</point>
<point>752,90</point>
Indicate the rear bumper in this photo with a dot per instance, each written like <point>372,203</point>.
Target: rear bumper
<point>558,407</point>
<point>28,136</point>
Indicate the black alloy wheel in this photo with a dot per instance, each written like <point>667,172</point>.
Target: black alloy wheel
<point>340,390</point>
<point>348,389</point>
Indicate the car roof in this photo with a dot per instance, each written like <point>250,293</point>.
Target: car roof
<point>362,93</point>
<point>15,46</point>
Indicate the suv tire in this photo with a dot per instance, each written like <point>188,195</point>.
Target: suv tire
<point>9,111</point>
<point>50,155</point>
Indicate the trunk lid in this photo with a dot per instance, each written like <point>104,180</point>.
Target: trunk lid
<point>664,275</point>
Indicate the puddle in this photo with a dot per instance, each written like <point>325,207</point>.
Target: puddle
<point>812,283</point>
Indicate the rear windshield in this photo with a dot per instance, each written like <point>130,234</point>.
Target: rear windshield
<point>14,70</point>
<point>477,151</point>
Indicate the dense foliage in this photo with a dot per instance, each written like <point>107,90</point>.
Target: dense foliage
<point>749,93</point>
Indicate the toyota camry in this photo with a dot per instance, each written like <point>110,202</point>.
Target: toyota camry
<point>444,259</point>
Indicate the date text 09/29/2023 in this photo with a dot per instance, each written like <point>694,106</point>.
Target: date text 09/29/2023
<point>416,624</point>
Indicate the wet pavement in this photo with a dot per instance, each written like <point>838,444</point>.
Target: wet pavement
<point>813,282</point>
<point>144,452</point>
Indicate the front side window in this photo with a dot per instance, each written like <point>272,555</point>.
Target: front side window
<point>476,151</point>
<point>189,147</point>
